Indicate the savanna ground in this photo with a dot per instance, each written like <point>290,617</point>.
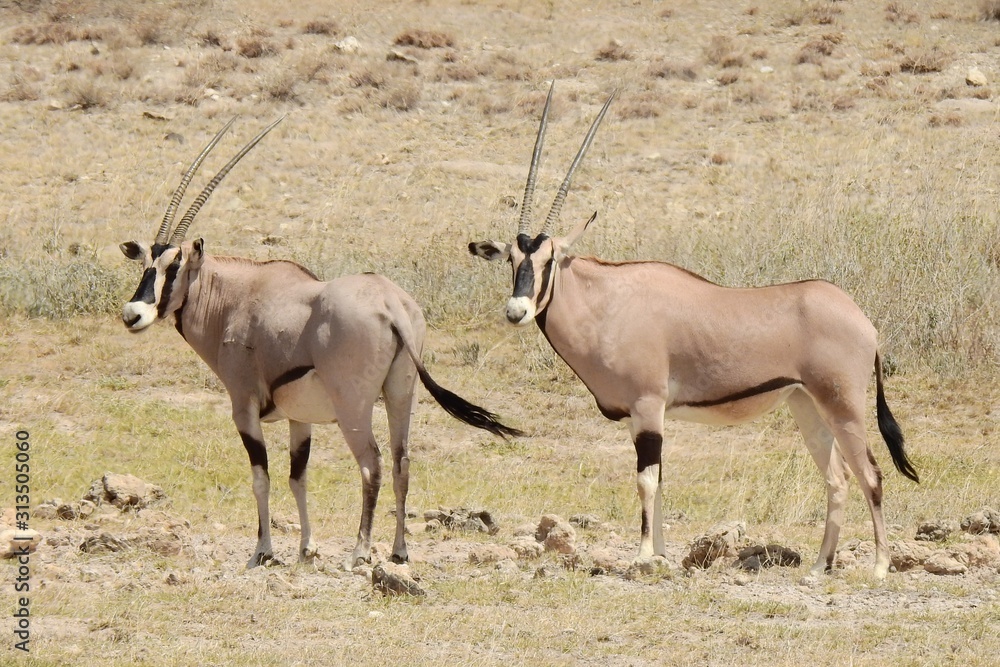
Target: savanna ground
<point>752,142</point>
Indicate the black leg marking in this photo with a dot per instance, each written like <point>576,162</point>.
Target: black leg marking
<point>255,450</point>
<point>763,388</point>
<point>648,447</point>
<point>300,459</point>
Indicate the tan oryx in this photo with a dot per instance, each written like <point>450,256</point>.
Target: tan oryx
<point>289,346</point>
<point>652,340</point>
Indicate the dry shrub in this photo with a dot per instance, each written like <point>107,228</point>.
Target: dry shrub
<point>844,102</point>
<point>211,38</point>
<point>895,12</point>
<point>400,96</point>
<point>949,119</point>
<point>23,85</point>
<point>820,13</point>
<point>647,104</point>
<point>370,77</point>
<point>721,51</point>
<point>87,93</point>
<point>614,51</point>
<point>508,67</point>
<point>254,46</point>
<point>151,28</point>
<point>280,84</point>
<point>58,33</point>
<point>728,77</point>
<point>320,27</point>
<point>424,39</point>
<point>459,71</point>
<point>990,10</point>
<point>924,61</point>
<point>879,68</point>
<point>816,50</point>
<point>120,66</point>
<point>751,92</point>
<point>668,69</point>
<point>759,53</point>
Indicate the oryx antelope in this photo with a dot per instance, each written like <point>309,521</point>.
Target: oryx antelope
<point>652,340</point>
<point>288,346</point>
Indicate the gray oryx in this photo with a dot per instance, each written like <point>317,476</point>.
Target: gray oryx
<point>652,340</point>
<point>289,346</point>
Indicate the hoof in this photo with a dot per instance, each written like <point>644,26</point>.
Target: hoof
<point>400,559</point>
<point>308,554</point>
<point>267,560</point>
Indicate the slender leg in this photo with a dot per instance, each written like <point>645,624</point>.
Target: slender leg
<point>248,424</point>
<point>361,441</point>
<point>646,426</point>
<point>300,441</point>
<point>400,399</point>
<point>820,443</point>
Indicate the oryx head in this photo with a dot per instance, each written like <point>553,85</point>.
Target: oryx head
<point>171,263</point>
<point>535,259</point>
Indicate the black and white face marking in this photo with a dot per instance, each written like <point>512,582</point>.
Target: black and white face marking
<point>533,263</point>
<point>163,284</point>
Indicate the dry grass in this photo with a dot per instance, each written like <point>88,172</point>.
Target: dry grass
<point>784,174</point>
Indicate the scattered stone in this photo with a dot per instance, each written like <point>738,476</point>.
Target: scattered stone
<point>608,560</point>
<point>74,511</point>
<point>391,579</point>
<point>348,45</point>
<point>584,521</point>
<point>721,540</point>
<point>908,554</point>
<point>104,543</point>
<point>975,77</point>
<point>285,525</point>
<point>123,491</point>
<point>546,572</point>
<point>464,519</point>
<point>507,567</point>
<point>755,557</point>
<point>491,553</point>
<point>14,543</point>
<point>853,552</point>
<point>986,520</point>
<point>936,531</point>
<point>941,562</point>
<point>47,509</point>
<point>556,534</point>
<point>526,547</point>
<point>980,551</point>
<point>526,529</point>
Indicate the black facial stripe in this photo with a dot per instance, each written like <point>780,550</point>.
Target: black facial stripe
<point>524,279</point>
<point>300,458</point>
<point>290,376</point>
<point>255,450</point>
<point>763,388</point>
<point>168,285</point>
<point>528,245</point>
<point>648,448</point>
<point>146,291</point>
<point>159,248</point>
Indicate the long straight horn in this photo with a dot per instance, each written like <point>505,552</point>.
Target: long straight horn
<point>553,215</point>
<point>529,188</point>
<point>200,200</point>
<point>175,201</point>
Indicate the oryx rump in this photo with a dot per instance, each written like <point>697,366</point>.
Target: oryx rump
<point>651,340</point>
<point>289,346</point>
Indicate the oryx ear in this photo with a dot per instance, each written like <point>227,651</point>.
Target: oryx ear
<point>133,250</point>
<point>567,242</point>
<point>490,250</point>
<point>197,255</point>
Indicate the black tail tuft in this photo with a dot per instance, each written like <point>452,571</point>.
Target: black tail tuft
<point>461,409</point>
<point>889,428</point>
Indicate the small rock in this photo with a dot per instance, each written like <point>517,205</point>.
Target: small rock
<point>974,77</point>
<point>348,45</point>
<point>104,543</point>
<point>390,579</point>
<point>396,54</point>
<point>936,531</point>
<point>986,520</point>
<point>907,555</point>
<point>720,541</point>
<point>941,562</point>
<point>491,553</point>
<point>758,556</point>
<point>14,543</point>
<point>47,509</point>
<point>561,539</point>
<point>526,547</point>
<point>584,521</point>
<point>123,491</point>
<point>508,567</point>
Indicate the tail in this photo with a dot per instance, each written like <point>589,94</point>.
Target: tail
<point>889,427</point>
<point>453,404</point>
<point>461,409</point>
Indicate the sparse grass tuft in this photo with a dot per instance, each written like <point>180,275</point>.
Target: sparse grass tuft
<point>989,10</point>
<point>896,12</point>
<point>663,68</point>
<point>723,52</point>
<point>615,51</point>
<point>924,61</point>
<point>326,27</point>
<point>424,39</point>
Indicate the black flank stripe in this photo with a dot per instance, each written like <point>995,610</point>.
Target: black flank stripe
<point>763,388</point>
<point>168,285</point>
<point>290,376</point>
